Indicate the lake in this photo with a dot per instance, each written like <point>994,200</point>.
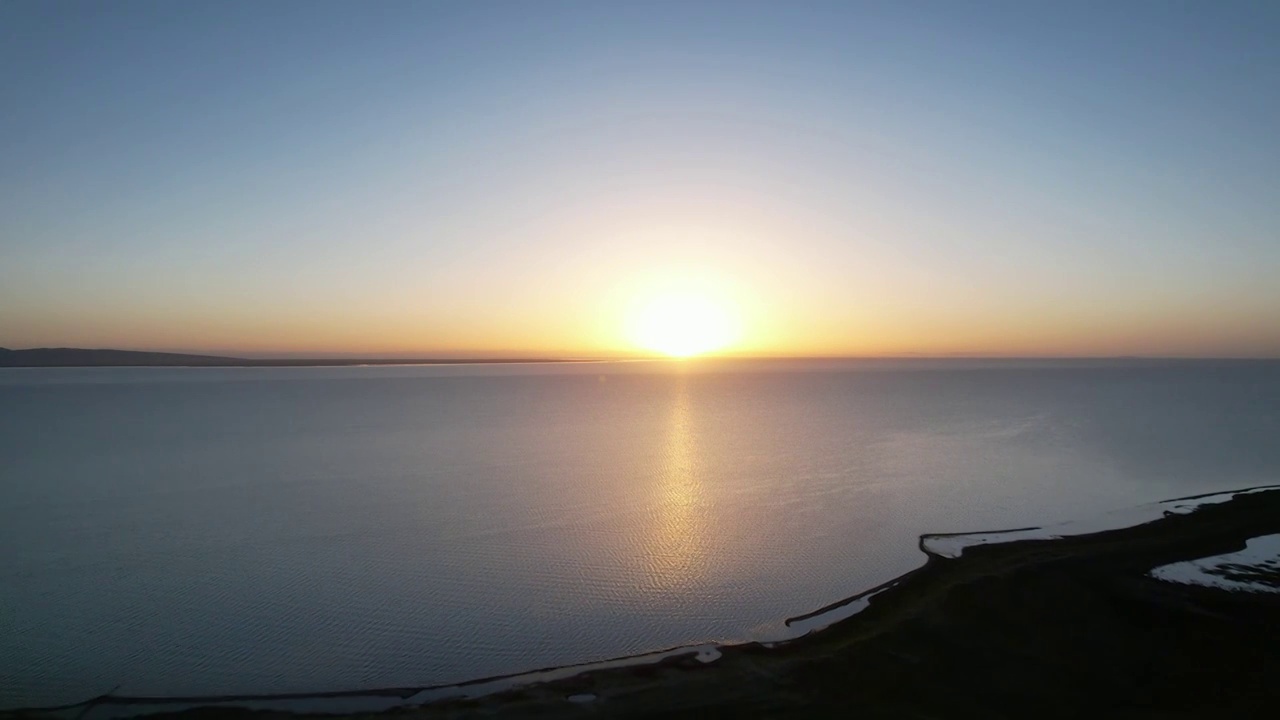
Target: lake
<point>204,531</point>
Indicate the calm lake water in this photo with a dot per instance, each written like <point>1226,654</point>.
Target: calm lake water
<point>208,531</point>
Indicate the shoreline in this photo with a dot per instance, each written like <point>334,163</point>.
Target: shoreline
<point>1190,523</point>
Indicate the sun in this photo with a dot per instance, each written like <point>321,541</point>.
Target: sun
<point>684,323</point>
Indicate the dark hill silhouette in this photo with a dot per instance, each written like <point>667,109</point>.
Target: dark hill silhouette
<point>70,357</point>
<point>80,357</point>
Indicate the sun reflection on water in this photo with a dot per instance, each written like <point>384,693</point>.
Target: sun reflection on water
<point>677,542</point>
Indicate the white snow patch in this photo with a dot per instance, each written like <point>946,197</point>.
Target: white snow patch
<point>582,698</point>
<point>708,654</point>
<point>952,545</point>
<point>1260,555</point>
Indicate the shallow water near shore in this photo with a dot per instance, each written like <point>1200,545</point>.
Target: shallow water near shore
<point>251,531</point>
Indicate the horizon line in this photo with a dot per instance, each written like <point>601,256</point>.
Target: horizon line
<point>459,357</point>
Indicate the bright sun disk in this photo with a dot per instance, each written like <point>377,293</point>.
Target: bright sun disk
<point>683,324</point>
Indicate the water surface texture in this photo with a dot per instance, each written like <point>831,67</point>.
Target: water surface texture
<point>208,531</point>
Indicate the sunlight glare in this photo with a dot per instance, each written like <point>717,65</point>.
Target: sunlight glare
<point>684,323</point>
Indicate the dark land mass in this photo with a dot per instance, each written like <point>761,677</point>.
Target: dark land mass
<point>85,357</point>
<point>78,357</point>
<point>1070,628</point>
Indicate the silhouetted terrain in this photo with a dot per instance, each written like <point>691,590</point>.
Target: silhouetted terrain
<point>71,357</point>
<point>79,357</point>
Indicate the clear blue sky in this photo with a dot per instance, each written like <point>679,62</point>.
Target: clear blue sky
<point>484,177</point>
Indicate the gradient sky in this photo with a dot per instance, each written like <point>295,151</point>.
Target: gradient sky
<point>1021,178</point>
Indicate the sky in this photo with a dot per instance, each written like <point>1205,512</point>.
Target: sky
<point>526,178</point>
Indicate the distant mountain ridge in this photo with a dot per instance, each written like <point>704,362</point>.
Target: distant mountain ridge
<point>77,357</point>
<point>81,357</point>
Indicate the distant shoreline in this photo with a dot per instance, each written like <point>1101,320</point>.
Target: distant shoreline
<point>324,362</point>
<point>78,357</point>
<point>88,357</point>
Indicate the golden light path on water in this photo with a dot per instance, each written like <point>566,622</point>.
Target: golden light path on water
<point>678,536</point>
